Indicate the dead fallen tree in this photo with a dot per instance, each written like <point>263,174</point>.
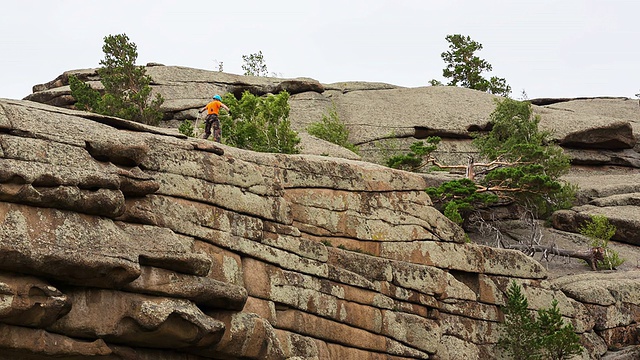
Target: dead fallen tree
<point>531,243</point>
<point>591,256</point>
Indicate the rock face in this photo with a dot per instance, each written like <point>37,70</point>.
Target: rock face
<point>122,241</point>
<point>593,131</point>
<point>384,119</point>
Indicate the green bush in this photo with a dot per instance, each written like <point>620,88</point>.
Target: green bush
<point>600,231</point>
<point>333,130</point>
<point>127,90</point>
<point>545,336</point>
<point>186,128</point>
<point>259,123</point>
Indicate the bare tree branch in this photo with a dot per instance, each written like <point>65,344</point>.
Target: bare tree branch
<point>591,256</point>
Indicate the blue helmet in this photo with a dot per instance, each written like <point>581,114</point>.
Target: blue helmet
<point>217,97</point>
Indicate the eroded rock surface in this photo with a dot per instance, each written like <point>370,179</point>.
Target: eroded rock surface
<point>125,241</point>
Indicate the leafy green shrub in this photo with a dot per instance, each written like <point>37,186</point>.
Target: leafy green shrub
<point>259,123</point>
<point>600,231</point>
<point>186,128</point>
<point>127,90</point>
<point>333,130</point>
<point>525,336</point>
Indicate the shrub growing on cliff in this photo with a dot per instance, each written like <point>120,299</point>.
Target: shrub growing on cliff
<point>333,130</point>
<point>127,93</point>
<point>600,231</point>
<point>545,336</point>
<point>259,123</point>
<point>187,128</point>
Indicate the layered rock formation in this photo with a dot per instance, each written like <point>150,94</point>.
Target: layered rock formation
<point>124,241</point>
<point>597,133</point>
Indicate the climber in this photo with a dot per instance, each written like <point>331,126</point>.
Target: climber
<point>213,108</point>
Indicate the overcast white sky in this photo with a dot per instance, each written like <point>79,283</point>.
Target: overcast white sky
<point>548,48</point>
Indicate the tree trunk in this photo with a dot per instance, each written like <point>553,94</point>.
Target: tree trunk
<point>591,256</point>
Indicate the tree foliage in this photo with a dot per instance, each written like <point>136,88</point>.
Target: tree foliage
<point>460,197</point>
<point>520,338</point>
<point>254,64</point>
<point>600,231</point>
<point>127,90</point>
<point>187,128</point>
<point>559,341</point>
<point>465,69</point>
<point>259,123</point>
<point>525,336</point>
<point>515,138</point>
<point>332,129</point>
<point>524,167</point>
<point>414,160</point>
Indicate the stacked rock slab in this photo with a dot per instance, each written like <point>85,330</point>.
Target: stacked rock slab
<point>123,241</point>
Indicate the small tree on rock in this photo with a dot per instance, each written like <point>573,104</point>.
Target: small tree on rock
<point>525,336</point>
<point>254,64</point>
<point>523,167</point>
<point>127,90</point>
<point>465,69</point>
<point>600,231</point>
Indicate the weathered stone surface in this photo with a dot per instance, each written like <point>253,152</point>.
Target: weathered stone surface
<point>339,215</point>
<point>217,252</point>
<point>67,246</point>
<point>248,336</point>
<point>632,352</point>
<point>152,243</point>
<point>609,317</point>
<point>28,301</point>
<point>614,136</point>
<point>314,146</point>
<point>626,157</point>
<point>296,346</point>
<point>138,320</point>
<point>477,332</point>
<point>228,265</point>
<point>334,332</point>
<point>204,291</point>
<point>421,333</point>
<point>597,186</point>
<point>595,347</point>
<point>619,108</point>
<point>27,343</point>
<point>454,348</point>
<point>617,338</point>
<point>588,291</point>
<point>465,257</point>
<point>626,219</point>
